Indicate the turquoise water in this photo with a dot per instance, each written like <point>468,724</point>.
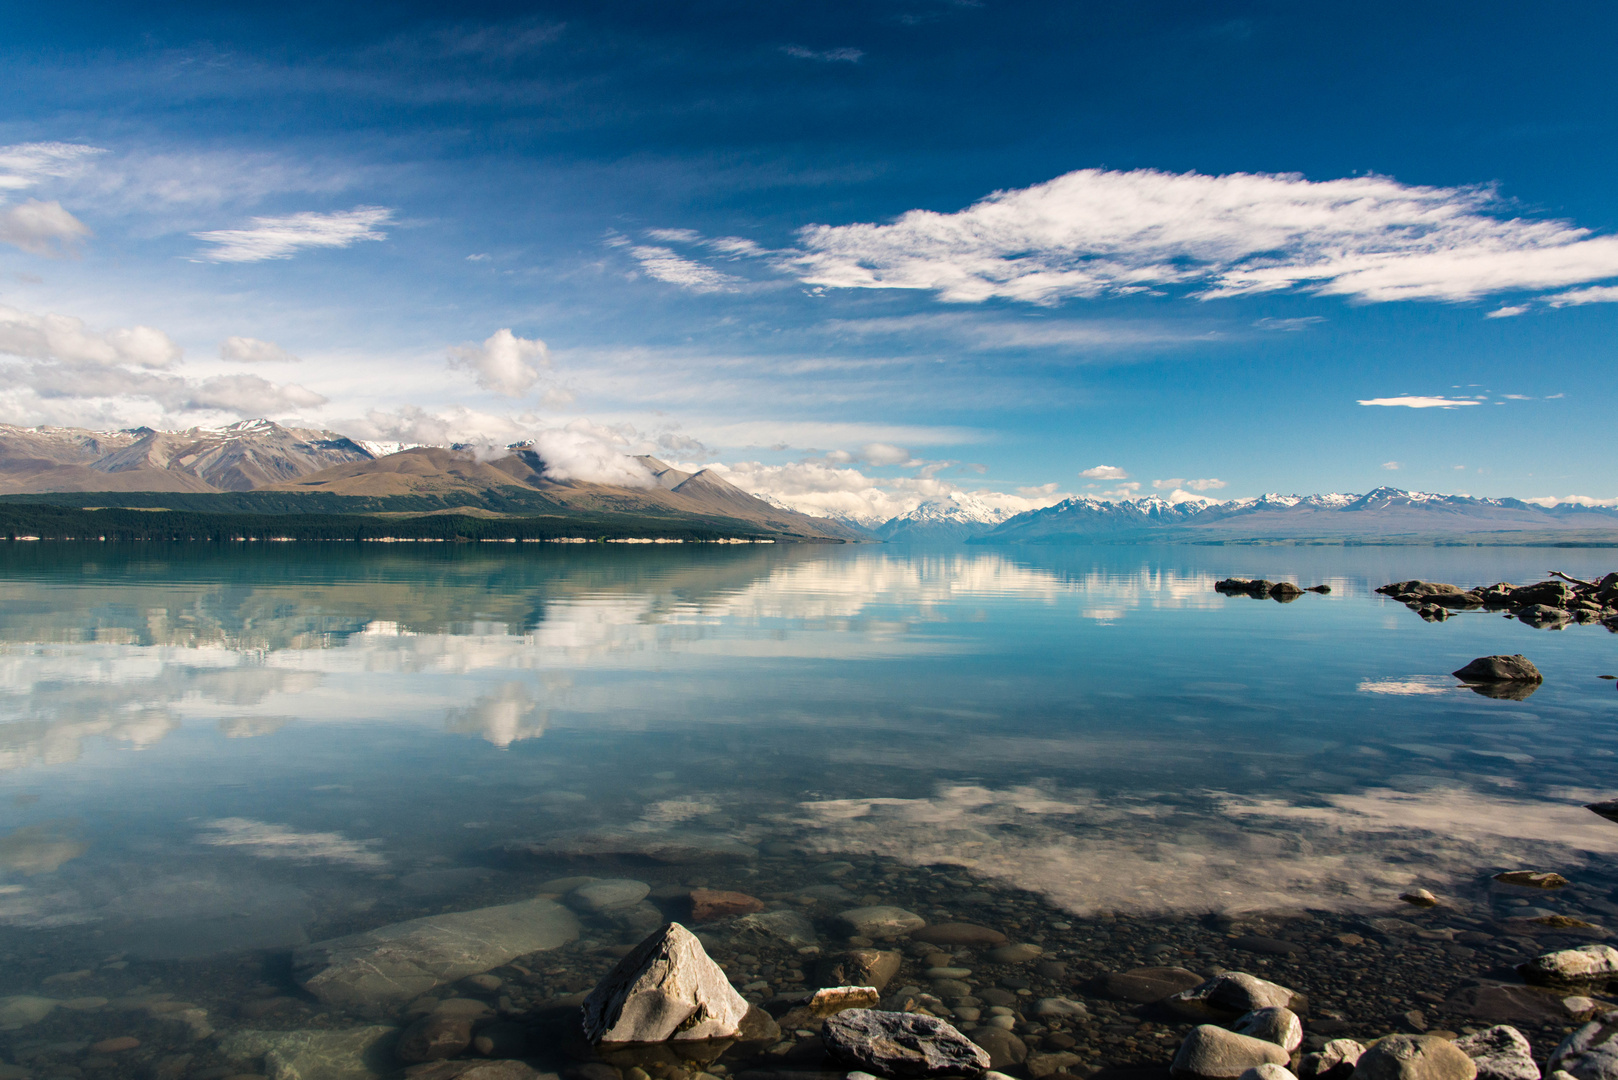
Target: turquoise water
<point>205,751</point>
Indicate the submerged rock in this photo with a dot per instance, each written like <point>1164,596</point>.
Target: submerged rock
<point>608,895</point>
<point>835,999</point>
<point>859,967</point>
<point>1212,1053</point>
<point>710,904</point>
<point>1005,1050</point>
<point>434,1036</point>
<point>405,960</point>
<point>1414,1057</point>
<point>1486,669</point>
<point>668,988</point>
<point>352,1054</point>
<point>20,1010</point>
<point>1146,985</point>
<point>776,928</point>
<point>1532,879</point>
<point>880,921</point>
<point>1226,996</point>
<point>1500,1053</point>
<point>958,933</point>
<point>905,1046</point>
<point>668,849</point>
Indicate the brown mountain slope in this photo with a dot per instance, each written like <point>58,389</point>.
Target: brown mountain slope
<point>457,474</point>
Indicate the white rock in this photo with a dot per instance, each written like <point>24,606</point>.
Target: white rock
<point>1268,1072</point>
<point>1275,1024</point>
<point>405,960</point>
<point>1059,1006</point>
<point>881,921</point>
<point>1590,1053</point>
<point>23,1009</point>
<point>607,895</point>
<point>1500,1053</point>
<point>1229,995</point>
<point>1588,962</point>
<point>668,988</point>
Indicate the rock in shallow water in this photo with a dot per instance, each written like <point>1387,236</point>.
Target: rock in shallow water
<point>608,895</point>
<point>22,1009</point>
<point>1590,1053</point>
<point>433,1037</point>
<point>1212,1053</point>
<point>668,988</point>
<point>1148,984</point>
<point>1227,996</point>
<point>1274,1024</point>
<point>859,967</point>
<point>352,1054</point>
<point>405,960</point>
<point>1414,1057</point>
<point>775,928</point>
<point>958,933</point>
<point>709,904</point>
<point>1500,1053</point>
<point>880,921</point>
<point>1591,965</point>
<point>1514,668</point>
<point>907,1046</point>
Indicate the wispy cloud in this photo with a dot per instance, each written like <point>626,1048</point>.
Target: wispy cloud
<point>246,350</point>
<point>664,265</point>
<point>825,56</point>
<point>1289,325</point>
<point>1096,233</point>
<point>1391,466</point>
<point>1211,483</point>
<point>1416,402</point>
<point>284,237</point>
<point>1510,311</point>
<point>23,165</point>
<point>279,842</point>
<point>1602,294</point>
<point>37,226</point>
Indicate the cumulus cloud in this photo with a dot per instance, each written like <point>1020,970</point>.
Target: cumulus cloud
<point>284,237</point>
<point>1096,232</point>
<point>1105,472</point>
<point>1418,402</point>
<point>504,363</point>
<point>664,265</point>
<point>825,489</point>
<point>245,395</point>
<point>66,339</point>
<point>246,350</point>
<point>825,56</point>
<point>41,228</point>
<point>1571,500</point>
<point>593,454</point>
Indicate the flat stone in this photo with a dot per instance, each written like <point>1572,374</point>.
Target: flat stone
<point>668,988</point>
<point>1060,1007</point>
<point>784,927</point>
<point>350,1054</point>
<point>474,1070</point>
<point>859,967</point>
<point>1043,1065</point>
<point>1591,965</point>
<point>1419,898</point>
<point>1591,1052</point>
<point>1498,1003</point>
<point>115,1045</point>
<point>947,972</point>
<point>1275,1024</point>
<point>1015,954</point>
<point>903,1046</point>
<point>607,895</point>
<point>401,961</point>
<point>880,921</point>
<point>1513,668</point>
<point>1227,996</point>
<point>1333,1061</point>
<point>1146,985</point>
<point>1267,946</point>
<point>23,1009</point>
<point>1532,879</point>
<point>1414,1057</point>
<point>1005,1050</point>
<point>835,999</point>
<point>710,904</point>
<point>1212,1053</point>
<point>958,933</point>
<point>1500,1053</point>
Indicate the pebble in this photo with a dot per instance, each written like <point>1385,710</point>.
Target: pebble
<point>1419,898</point>
<point>1060,1007</point>
<point>1005,1050</point>
<point>1268,1072</point>
<point>958,933</point>
<point>948,972</point>
<point>1016,954</point>
<point>1333,1061</point>
<point>1533,879</point>
<point>1232,993</point>
<point>115,1045</point>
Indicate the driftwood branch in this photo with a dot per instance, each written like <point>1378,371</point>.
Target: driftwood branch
<point>1574,580</point>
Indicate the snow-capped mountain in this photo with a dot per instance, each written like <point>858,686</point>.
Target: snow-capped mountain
<point>1386,512</point>
<point>952,517</point>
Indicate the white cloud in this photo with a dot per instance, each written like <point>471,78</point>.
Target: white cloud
<point>1510,311</point>
<point>1195,485</point>
<point>284,237</point>
<point>23,165</point>
<point>884,454</point>
<point>825,56</point>
<point>66,339</point>
<point>591,453</point>
<point>1094,233</point>
<point>1122,491</point>
<point>1602,294</point>
<point>1289,325</point>
<point>246,395</point>
<point>1571,500</point>
<point>826,490</point>
<point>504,363</point>
<point>41,228</point>
<point>1105,472</point>
<point>1392,466</point>
<point>1415,402</point>
<point>664,265</point>
<point>246,350</point>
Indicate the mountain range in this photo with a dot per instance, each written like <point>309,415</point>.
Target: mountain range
<point>258,466</point>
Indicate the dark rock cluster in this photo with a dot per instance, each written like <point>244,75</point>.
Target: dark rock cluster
<point>1550,604</point>
<point>1282,592</point>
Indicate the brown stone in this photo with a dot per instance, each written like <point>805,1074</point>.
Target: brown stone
<point>859,967</point>
<point>115,1045</point>
<point>710,904</point>
<point>958,933</point>
<point>1505,1003</point>
<point>1005,1050</point>
<point>1533,879</point>
<point>434,1037</point>
<point>834,999</point>
<point>1146,985</point>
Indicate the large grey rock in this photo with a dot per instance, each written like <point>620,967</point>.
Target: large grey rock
<point>1227,996</point>
<point>20,1010</point>
<point>776,928</point>
<point>1500,1053</point>
<point>1514,668</point>
<point>880,921</point>
<point>668,988</point>
<point>1590,1053</point>
<point>1414,1057</point>
<point>1212,1053</point>
<point>904,1046</point>
<point>1275,1024</point>
<point>405,960</point>
<point>1588,965</point>
<point>1268,1072</point>
<point>1334,1061</point>
<point>608,895</point>
<point>351,1054</point>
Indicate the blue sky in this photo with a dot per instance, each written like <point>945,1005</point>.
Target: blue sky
<point>859,253</point>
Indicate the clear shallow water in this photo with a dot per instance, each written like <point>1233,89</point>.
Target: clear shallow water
<point>207,751</point>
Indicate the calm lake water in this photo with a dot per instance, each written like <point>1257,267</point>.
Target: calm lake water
<point>207,751</point>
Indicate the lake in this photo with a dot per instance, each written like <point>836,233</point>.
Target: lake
<point>211,757</point>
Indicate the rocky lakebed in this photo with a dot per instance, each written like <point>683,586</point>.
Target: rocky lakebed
<point>921,971</point>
